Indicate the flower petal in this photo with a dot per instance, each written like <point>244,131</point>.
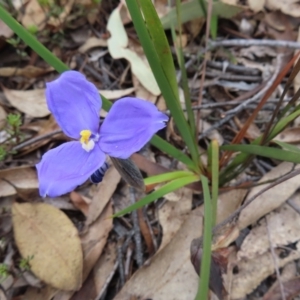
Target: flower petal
<point>74,102</point>
<point>129,125</point>
<point>63,168</point>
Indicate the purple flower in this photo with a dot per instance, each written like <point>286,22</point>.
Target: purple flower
<point>75,104</point>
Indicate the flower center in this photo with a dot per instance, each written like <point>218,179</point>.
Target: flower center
<point>86,141</point>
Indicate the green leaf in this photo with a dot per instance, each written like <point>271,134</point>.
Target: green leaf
<point>165,189</point>
<point>172,151</point>
<point>167,177</point>
<point>162,73</point>
<point>269,152</point>
<point>207,240</point>
<point>192,10</point>
<point>287,146</point>
<point>214,179</point>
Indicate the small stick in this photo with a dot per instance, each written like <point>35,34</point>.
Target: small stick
<point>107,281</point>
<point>137,232</point>
<point>233,112</point>
<point>254,42</point>
<point>275,263</point>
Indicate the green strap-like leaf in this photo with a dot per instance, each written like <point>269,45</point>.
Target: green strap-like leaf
<point>207,240</point>
<point>165,189</point>
<point>162,73</point>
<point>269,152</point>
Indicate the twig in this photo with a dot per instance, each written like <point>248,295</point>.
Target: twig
<point>120,264</point>
<point>226,66</point>
<point>231,113</point>
<point>275,263</point>
<point>107,281</point>
<point>254,42</point>
<point>37,139</point>
<point>137,232</point>
<point>232,77</point>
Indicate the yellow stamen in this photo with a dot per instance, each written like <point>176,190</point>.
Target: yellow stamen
<point>85,136</point>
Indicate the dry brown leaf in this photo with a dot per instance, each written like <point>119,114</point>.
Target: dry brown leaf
<point>289,7</point>
<point>32,102</point>
<point>93,243</point>
<point>289,135</point>
<point>21,177</point>
<point>34,15</point>
<point>172,215</point>
<point>252,272</point>
<point>3,115</point>
<point>46,235</point>
<point>284,228</point>
<point>256,5</point>
<point>28,72</point>
<point>5,31</point>
<point>105,190</point>
<point>272,198</point>
<point>111,95</point>
<point>44,293</point>
<point>169,275</point>
<point>57,21</point>
<point>118,48</point>
<point>81,202</point>
<point>98,277</point>
<point>92,42</point>
<point>141,92</point>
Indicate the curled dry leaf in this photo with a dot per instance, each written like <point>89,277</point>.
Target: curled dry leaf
<point>92,42</point>
<point>289,135</point>
<point>32,102</point>
<point>45,234</point>
<point>118,48</point>
<point>116,94</point>
<point>28,72</point>
<point>23,178</point>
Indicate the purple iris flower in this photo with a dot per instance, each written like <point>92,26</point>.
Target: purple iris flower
<point>75,104</point>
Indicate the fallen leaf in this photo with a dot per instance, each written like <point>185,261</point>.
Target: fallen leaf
<point>44,293</point>
<point>252,272</point>
<point>116,94</point>
<point>92,42</point>
<point>272,198</point>
<point>57,21</point>
<point>93,242</point>
<point>172,215</point>
<point>256,5</point>
<point>118,48</point>
<point>32,102</point>
<point>289,135</point>
<point>21,177</point>
<point>101,272</point>
<point>46,235</point>
<point>284,229</point>
<point>28,72</point>
<point>105,190</point>
<point>169,274</point>
<point>5,31</point>
<point>289,7</point>
<point>34,15</point>
<point>291,289</point>
<point>81,202</point>
<point>3,115</point>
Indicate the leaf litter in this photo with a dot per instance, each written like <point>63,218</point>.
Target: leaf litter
<point>106,250</point>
